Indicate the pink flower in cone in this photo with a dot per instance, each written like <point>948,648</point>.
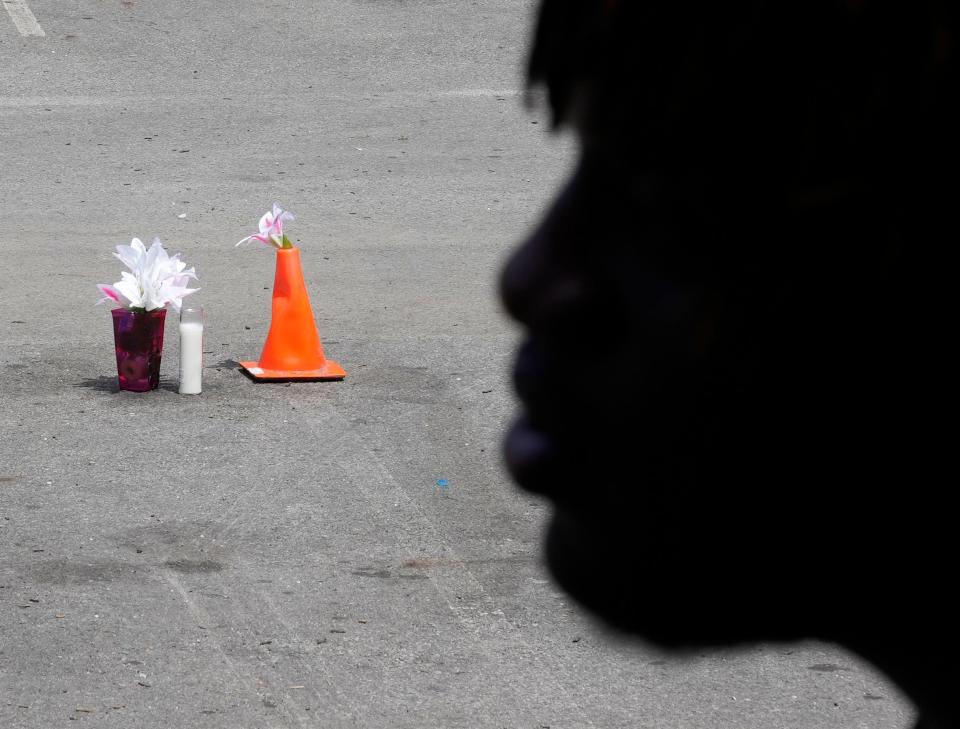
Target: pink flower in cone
<point>271,228</point>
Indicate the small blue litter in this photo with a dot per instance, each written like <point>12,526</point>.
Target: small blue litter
<point>443,486</point>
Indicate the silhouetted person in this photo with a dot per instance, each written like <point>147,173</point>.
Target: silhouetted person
<point>737,381</point>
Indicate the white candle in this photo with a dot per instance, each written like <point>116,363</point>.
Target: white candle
<point>191,351</point>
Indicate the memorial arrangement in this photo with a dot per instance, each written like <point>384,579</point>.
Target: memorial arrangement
<point>156,280</point>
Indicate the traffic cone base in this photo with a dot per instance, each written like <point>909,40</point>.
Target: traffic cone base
<point>292,350</point>
<point>330,371</point>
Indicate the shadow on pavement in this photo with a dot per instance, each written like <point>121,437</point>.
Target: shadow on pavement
<point>103,383</point>
<point>108,383</point>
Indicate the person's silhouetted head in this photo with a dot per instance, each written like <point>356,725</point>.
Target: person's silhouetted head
<point>735,381</point>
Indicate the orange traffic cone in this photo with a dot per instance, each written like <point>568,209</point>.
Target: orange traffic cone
<point>292,350</point>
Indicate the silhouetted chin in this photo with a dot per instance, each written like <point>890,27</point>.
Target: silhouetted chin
<point>600,575</point>
<point>674,602</point>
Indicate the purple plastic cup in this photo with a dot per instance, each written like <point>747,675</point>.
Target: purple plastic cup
<point>138,337</point>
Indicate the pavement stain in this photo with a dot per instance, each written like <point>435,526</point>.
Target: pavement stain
<point>367,571</point>
<point>193,566</point>
<point>178,541</point>
<point>69,572</point>
<point>426,563</point>
<point>419,563</point>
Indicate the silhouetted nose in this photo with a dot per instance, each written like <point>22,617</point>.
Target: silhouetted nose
<point>543,281</point>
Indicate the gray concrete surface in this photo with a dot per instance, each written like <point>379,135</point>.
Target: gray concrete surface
<point>278,555</point>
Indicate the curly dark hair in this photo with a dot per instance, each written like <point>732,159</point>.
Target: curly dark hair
<point>819,99</point>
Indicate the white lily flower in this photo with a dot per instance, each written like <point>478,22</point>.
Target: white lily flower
<point>155,279</point>
<point>271,228</point>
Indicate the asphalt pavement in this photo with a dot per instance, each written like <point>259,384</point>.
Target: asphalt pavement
<point>281,555</point>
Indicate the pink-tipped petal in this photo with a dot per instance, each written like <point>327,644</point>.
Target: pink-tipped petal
<point>109,292</point>
<point>113,295</point>
<point>266,222</point>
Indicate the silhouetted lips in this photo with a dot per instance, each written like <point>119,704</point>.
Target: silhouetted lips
<point>531,455</point>
<point>533,448</point>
